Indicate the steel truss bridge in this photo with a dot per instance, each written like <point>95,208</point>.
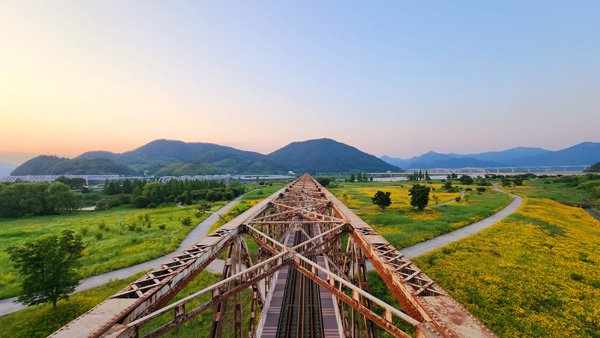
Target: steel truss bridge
<point>307,279</point>
<point>165,179</point>
<point>52,178</point>
<point>540,170</point>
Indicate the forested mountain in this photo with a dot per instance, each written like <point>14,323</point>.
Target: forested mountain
<point>53,165</point>
<point>159,154</point>
<point>327,156</point>
<point>584,153</point>
<point>37,165</point>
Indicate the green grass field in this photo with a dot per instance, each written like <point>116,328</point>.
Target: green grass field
<point>402,225</point>
<point>114,239</point>
<point>534,274</point>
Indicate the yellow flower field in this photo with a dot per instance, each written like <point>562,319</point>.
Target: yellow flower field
<point>537,273</point>
<point>403,225</point>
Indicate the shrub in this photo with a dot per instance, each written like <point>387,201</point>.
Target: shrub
<point>576,277</point>
<point>186,221</point>
<point>481,189</point>
<point>457,199</point>
<point>98,235</point>
<point>162,226</point>
<point>141,202</point>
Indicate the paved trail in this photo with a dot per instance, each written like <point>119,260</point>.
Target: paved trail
<point>440,241</point>
<point>9,306</point>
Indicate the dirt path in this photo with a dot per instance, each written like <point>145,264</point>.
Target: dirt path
<point>440,241</point>
<point>9,306</point>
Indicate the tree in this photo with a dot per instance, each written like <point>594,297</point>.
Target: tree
<point>419,196</point>
<point>63,198</point>
<point>352,178</point>
<point>382,199</point>
<point>48,266</point>
<point>127,187</point>
<point>324,181</point>
<point>466,179</point>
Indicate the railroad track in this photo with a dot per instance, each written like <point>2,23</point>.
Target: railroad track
<point>301,307</point>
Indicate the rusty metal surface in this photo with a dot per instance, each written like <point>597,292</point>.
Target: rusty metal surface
<point>305,208</point>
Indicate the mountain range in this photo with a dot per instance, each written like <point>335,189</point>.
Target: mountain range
<point>585,153</point>
<point>321,156</point>
<point>167,157</point>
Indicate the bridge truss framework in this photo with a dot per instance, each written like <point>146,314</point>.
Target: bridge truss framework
<point>426,306</point>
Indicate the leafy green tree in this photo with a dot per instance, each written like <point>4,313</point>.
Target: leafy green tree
<point>64,199</point>
<point>141,202</point>
<point>113,188</point>
<point>154,191</point>
<point>324,181</point>
<point>382,199</point>
<point>127,187</point>
<point>448,185</point>
<point>352,178</point>
<point>419,196</point>
<point>204,207</point>
<point>466,179</point>
<point>48,266</point>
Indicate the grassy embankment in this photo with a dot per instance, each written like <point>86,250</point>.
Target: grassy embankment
<point>114,239</point>
<point>40,320</point>
<point>403,225</point>
<point>533,274</point>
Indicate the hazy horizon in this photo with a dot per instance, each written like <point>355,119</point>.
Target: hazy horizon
<point>395,79</point>
<point>20,157</point>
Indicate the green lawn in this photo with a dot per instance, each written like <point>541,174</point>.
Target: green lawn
<point>403,225</point>
<point>114,239</point>
<point>40,320</point>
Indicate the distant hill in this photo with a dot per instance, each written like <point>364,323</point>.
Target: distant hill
<point>53,165</point>
<point>429,157</point>
<point>95,166</point>
<point>161,153</point>
<point>508,155</point>
<point>327,156</point>
<point>188,168</point>
<point>37,165</point>
<point>455,163</point>
<point>584,153</point>
<point>6,168</point>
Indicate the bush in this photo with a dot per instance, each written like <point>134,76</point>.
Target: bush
<point>151,206</point>
<point>186,221</point>
<point>468,189</point>
<point>98,235</point>
<point>141,202</point>
<point>162,226</point>
<point>457,199</point>
<point>481,189</point>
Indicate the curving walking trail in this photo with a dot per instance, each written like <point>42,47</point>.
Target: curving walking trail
<point>442,240</point>
<point>8,305</point>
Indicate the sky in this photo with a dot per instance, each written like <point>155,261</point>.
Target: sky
<point>396,78</point>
